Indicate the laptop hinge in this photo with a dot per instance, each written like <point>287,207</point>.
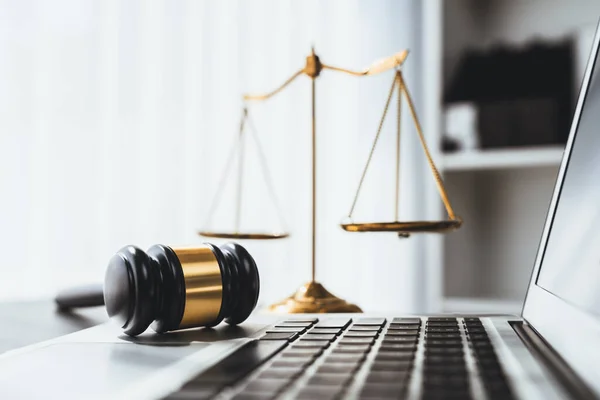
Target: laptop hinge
<point>557,366</point>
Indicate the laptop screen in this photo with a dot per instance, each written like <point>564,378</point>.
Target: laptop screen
<point>570,268</point>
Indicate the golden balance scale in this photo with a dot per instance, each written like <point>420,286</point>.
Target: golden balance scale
<point>312,297</point>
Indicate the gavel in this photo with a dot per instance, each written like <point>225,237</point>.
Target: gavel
<point>169,288</point>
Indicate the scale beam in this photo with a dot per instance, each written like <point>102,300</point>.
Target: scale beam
<point>313,297</point>
<point>379,66</point>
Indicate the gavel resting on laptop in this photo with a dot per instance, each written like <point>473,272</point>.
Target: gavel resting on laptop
<point>172,288</point>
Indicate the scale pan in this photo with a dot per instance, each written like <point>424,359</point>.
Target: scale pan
<point>245,235</point>
<point>404,227</point>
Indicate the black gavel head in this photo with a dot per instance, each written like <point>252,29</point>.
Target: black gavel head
<point>177,288</point>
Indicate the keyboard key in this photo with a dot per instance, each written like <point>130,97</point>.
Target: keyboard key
<point>345,358</point>
<point>241,362</point>
<point>489,363</point>
<point>285,330</point>
<point>442,324</point>
<point>387,376</point>
<point>317,336</point>
<point>302,352</point>
<point>442,319</point>
<point>338,368</point>
<point>252,396</point>
<point>445,381</point>
<point>441,330</point>
<point>401,333</point>
<point>266,386</point>
<point>298,329</point>
<point>397,347</point>
<point>352,343</point>
<point>492,374</point>
<point>379,391</point>
<point>280,373</point>
<point>444,359</point>
<point>356,340</point>
<point>443,394</point>
<point>394,356</point>
<point>291,362</point>
<point>370,321</point>
<point>405,321</point>
<point>329,379</point>
<point>398,365</point>
<point>303,319</point>
<point>289,336</point>
<point>361,334</point>
<point>303,344</point>
<point>471,319</point>
<point>404,327</point>
<point>334,323</point>
<point>476,331</point>
<point>445,369</point>
<point>484,353</point>
<point>442,351</point>
<point>326,331</point>
<point>399,339</point>
<point>361,328</point>
<point>482,345</point>
<point>478,336</point>
<point>443,343</point>
<point>319,392</point>
<point>293,324</point>
<point>434,335</point>
<point>200,394</point>
<point>352,348</point>
<point>496,387</point>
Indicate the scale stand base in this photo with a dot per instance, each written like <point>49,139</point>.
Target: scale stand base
<point>313,298</point>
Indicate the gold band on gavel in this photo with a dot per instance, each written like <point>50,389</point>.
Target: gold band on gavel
<point>203,285</point>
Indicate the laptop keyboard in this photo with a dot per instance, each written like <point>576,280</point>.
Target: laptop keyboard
<point>369,358</point>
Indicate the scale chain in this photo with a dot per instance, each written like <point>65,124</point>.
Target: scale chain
<point>398,121</point>
<point>381,121</point>
<point>268,179</point>
<point>225,174</point>
<point>434,170</point>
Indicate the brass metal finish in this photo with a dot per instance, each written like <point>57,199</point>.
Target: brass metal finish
<point>242,235</point>
<point>240,149</point>
<point>314,66</point>
<point>404,229</point>
<point>203,286</point>
<point>313,298</point>
<point>314,181</point>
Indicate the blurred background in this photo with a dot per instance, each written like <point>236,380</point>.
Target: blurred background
<point>117,117</point>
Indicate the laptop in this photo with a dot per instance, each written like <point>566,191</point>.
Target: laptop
<point>550,351</point>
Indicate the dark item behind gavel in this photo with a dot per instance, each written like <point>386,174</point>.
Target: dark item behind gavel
<point>173,288</point>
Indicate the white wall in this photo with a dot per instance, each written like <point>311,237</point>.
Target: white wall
<point>116,116</point>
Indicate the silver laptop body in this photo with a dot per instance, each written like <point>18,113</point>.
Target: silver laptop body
<point>552,351</point>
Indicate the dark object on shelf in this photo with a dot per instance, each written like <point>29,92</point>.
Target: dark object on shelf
<point>174,288</point>
<point>524,95</point>
<point>522,122</point>
<point>449,145</point>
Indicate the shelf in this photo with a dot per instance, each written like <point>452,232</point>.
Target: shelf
<point>474,305</point>
<point>543,156</point>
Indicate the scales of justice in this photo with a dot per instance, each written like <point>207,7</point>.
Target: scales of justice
<point>312,297</point>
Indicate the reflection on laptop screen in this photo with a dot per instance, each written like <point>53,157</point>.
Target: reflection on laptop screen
<point>571,264</point>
